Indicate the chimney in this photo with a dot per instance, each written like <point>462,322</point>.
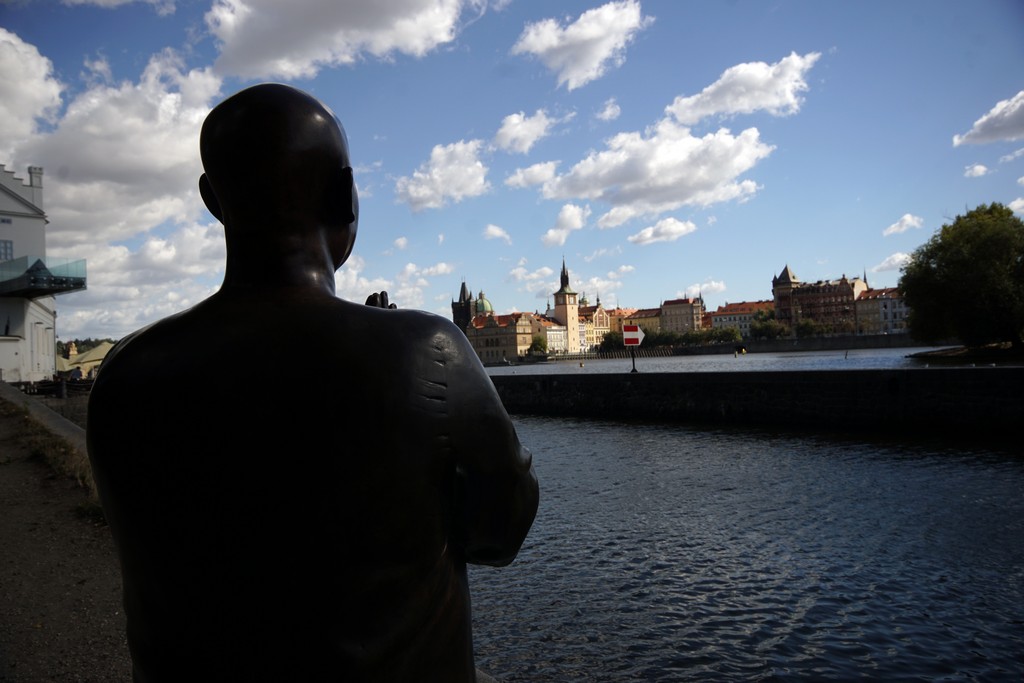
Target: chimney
<point>35,183</point>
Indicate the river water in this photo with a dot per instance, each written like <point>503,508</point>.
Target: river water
<point>672,553</point>
<point>852,359</point>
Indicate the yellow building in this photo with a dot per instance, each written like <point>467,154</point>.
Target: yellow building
<point>649,319</point>
<point>596,323</point>
<point>682,315</point>
<point>500,338</point>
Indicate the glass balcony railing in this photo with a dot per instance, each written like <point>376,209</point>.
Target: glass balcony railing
<point>35,276</point>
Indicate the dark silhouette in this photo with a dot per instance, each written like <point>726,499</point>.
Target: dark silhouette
<point>301,511</point>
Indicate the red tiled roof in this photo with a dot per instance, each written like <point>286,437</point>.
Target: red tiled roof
<point>744,307</point>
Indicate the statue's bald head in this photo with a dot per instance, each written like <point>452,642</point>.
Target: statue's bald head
<point>276,158</point>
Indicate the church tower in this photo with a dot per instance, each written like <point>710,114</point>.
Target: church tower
<point>462,309</point>
<point>567,311</point>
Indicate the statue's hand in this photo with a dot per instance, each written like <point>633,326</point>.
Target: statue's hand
<point>379,300</point>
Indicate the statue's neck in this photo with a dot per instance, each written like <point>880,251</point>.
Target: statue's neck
<point>293,263</point>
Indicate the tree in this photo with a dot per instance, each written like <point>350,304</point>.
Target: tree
<point>539,345</point>
<point>764,326</point>
<point>612,341</point>
<point>967,281</point>
<point>81,345</point>
<point>808,328</point>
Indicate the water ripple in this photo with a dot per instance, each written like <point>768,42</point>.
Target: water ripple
<point>675,554</point>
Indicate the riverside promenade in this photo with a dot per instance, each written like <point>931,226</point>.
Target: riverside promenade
<point>60,583</point>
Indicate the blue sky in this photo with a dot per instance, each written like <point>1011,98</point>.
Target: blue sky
<point>662,148</point>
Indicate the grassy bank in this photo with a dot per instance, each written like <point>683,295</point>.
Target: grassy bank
<point>63,457</point>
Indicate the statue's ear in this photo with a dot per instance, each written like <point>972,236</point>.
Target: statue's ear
<point>349,204</point>
<point>209,198</point>
<point>342,215</point>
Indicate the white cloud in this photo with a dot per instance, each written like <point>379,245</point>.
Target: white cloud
<point>1006,158</point>
<point>121,165</point>
<point>454,172</point>
<point>123,160</point>
<point>521,274</point>
<point>537,174</point>
<point>1017,205</point>
<point>1020,181</point>
<point>906,222</point>
<point>1005,121</point>
<point>97,71</point>
<point>570,218</point>
<point>894,262</point>
<point>706,287</point>
<point>622,270</point>
<point>162,7</point>
<point>411,282</point>
<point>351,285</point>
<point>493,232</point>
<point>666,230</point>
<point>661,170</point>
<point>28,91</point>
<point>975,171</point>
<point>610,111</point>
<point>666,167</point>
<point>519,132</point>
<point>594,286</point>
<point>401,242</point>
<point>441,268</point>
<point>534,282</point>
<point>600,253</point>
<point>746,88</point>
<point>129,289</point>
<point>583,50</point>
<point>269,38</point>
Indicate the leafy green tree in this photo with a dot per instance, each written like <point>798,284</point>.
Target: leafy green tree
<point>81,345</point>
<point>612,342</point>
<point>660,338</point>
<point>809,328</point>
<point>967,281</point>
<point>764,326</point>
<point>539,345</point>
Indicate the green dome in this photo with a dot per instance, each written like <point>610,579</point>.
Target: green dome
<point>482,305</point>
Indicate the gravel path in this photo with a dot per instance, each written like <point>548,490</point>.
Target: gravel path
<point>60,586</point>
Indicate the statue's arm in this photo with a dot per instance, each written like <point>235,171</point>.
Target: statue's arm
<point>497,485</point>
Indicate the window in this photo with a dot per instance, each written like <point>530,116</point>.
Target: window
<point>6,250</point>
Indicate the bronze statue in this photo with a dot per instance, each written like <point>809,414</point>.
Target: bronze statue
<point>301,509</point>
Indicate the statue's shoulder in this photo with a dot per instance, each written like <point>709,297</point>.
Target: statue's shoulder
<point>408,322</point>
<point>156,348</point>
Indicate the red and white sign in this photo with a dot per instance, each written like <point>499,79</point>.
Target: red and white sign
<point>632,335</point>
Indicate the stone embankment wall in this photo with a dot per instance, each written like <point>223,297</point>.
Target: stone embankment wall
<point>984,402</point>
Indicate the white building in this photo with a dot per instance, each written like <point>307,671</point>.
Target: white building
<point>29,281</point>
<point>881,311</point>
